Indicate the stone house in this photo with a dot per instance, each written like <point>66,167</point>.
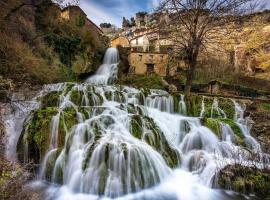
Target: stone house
<point>76,15</point>
<point>146,63</point>
<point>149,63</point>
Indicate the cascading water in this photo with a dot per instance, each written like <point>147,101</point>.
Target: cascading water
<point>182,105</point>
<point>244,124</point>
<point>107,72</point>
<point>127,143</point>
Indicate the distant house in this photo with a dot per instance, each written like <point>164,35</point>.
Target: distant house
<point>120,41</point>
<point>79,17</point>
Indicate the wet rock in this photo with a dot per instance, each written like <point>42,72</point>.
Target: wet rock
<point>246,180</point>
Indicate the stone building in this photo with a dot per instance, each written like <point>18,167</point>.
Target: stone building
<point>120,41</point>
<point>77,16</point>
<point>158,63</point>
<point>148,63</point>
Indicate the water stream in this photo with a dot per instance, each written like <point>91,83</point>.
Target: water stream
<point>128,143</point>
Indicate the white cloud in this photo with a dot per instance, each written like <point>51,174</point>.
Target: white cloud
<point>98,13</point>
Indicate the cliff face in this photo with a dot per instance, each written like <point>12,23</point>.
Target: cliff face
<point>37,45</point>
<point>252,53</point>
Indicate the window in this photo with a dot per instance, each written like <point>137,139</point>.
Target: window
<point>150,68</point>
<point>151,58</point>
<point>161,58</point>
<point>140,57</point>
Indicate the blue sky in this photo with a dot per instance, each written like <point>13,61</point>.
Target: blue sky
<point>114,10</point>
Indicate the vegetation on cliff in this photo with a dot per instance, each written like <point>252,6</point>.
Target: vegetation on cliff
<point>38,46</point>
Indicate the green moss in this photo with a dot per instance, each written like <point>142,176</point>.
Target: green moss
<point>76,97</point>
<point>236,129</point>
<point>143,81</point>
<point>227,106</point>
<point>136,126</point>
<point>38,131</point>
<point>50,100</point>
<point>193,103</point>
<point>245,180</point>
<point>264,106</point>
<point>155,138</point>
<point>213,124</point>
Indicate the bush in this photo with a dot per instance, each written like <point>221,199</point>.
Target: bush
<point>143,81</point>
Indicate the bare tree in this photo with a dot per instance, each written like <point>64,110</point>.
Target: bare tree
<point>196,24</point>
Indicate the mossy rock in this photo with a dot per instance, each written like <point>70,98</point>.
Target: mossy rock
<point>193,103</point>
<point>37,131</point>
<point>245,180</point>
<point>76,97</point>
<point>50,100</point>
<point>136,126</point>
<point>213,125</point>
<point>236,129</point>
<point>156,138</point>
<point>227,106</point>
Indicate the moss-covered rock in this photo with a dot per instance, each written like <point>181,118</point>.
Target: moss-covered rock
<point>236,129</point>
<point>194,105</point>
<point>227,106</point>
<point>245,180</point>
<point>214,125</point>
<point>156,138</point>
<point>50,100</point>
<point>36,137</point>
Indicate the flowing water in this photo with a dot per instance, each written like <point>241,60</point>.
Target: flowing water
<point>129,143</point>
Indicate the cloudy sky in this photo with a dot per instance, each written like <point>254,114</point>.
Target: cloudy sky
<point>114,10</point>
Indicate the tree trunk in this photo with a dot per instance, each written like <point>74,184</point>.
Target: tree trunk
<point>190,75</point>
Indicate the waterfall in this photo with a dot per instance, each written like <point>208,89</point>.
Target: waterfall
<point>107,72</point>
<point>160,100</point>
<point>107,141</point>
<point>245,126</point>
<point>182,105</point>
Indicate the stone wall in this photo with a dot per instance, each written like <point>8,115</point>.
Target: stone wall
<point>141,63</point>
<point>77,16</point>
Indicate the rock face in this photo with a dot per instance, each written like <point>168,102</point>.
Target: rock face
<point>260,114</point>
<point>245,180</point>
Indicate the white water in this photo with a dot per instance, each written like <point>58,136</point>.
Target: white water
<point>105,156</point>
<point>107,72</point>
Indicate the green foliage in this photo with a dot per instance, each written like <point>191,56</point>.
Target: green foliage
<point>143,81</point>
<point>194,105</point>
<point>227,106</point>
<point>44,48</point>
<point>264,106</point>
<point>80,21</point>
<point>213,124</point>
<point>66,47</point>
<point>50,100</point>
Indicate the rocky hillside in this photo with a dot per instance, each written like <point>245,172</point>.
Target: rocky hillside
<point>38,46</point>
